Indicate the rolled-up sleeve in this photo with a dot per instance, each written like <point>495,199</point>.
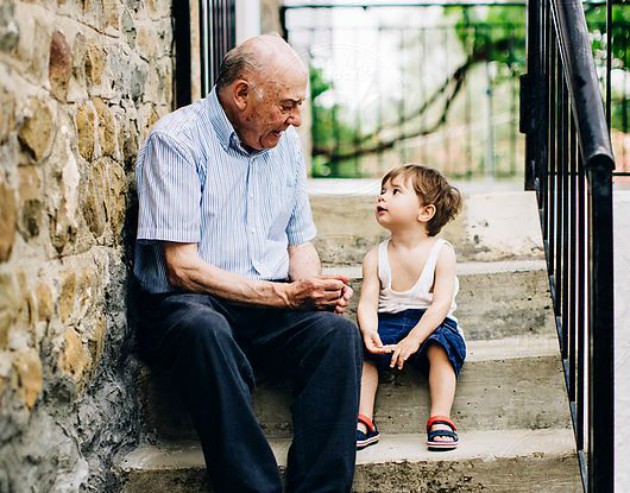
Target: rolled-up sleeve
<point>169,192</point>
<point>301,227</point>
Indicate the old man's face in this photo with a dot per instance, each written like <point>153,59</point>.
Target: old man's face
<point>273,106</point>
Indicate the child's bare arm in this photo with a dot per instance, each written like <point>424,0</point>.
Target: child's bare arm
<point>367,312</point>
<point>443,289</point>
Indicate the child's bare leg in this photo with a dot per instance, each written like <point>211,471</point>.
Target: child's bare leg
<point>442,382</point>
<point>369,384</point>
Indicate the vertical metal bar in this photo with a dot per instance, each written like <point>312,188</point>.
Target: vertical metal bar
<point>552,158</point>
<point>401,104</point>
<point>379,85</point>
<point>513,112</point>
<point>581,303</point>
<point>283,24</point>
<point>357,122</point>
<point>543,162</point>
<point>468,113</point>
<point>572,262</point>
<point>601,327</point>
<point>208,19</point>
<point>183,81</point>
<point>565,226</point>
<point>530,93</point>
<point>448,165</point>
<point>609,42</point>
<point>423,94</point>
<point>560,99</point>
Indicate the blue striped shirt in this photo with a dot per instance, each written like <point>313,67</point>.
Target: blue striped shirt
<point>196,184</point>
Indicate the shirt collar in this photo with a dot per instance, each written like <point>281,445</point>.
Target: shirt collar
<point>224,128</point>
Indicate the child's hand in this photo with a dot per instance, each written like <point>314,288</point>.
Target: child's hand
<point>374,344</point>
<point>403,350</point>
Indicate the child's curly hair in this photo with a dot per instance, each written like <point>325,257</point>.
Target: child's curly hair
<point>432,188</point>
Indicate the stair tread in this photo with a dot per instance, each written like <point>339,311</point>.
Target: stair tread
<point>513,347</point>
<point>392,448</point>
<point>463,268</point>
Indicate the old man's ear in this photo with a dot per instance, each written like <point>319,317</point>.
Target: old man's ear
<point>241,90</point>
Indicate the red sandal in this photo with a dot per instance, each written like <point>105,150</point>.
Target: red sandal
<point>431,435</point>
<point>371,437</point>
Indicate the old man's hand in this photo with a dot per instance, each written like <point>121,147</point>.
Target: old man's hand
<point>326,292</point>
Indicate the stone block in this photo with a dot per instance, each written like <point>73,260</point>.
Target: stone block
<point>67,296</point>
<point>44,299</point>
<point>128,143</point>
<point>7,114</point>
<point>73,360</point>
<point>9,29</point>
<point>111,15</point>
<point>9,307</point>
<point>36,131</point>
<point>103,199</point>
<point>8,223</point>
<point>31,207</point>
<point>137,82</point>
<point>95,61</point>
<point>29,382</point>
<point>128,28</point>
<point>63,224</point>
<point>59,65</point>
<point>147,43</point>
<point>85,128</point>
<point>106,128</point>
<point>96,340</point>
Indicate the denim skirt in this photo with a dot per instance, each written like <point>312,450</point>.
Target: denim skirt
<point>393,327</point>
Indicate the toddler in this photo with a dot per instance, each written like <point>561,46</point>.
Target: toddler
<point>408,297</point>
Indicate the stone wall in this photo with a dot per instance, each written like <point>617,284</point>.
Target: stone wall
<point>81,82</point>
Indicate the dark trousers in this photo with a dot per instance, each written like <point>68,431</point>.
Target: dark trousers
<point>208,346</point>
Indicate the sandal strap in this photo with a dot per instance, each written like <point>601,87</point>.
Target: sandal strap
<point>367,422</point>
<point>441,420</point>
<point>443,433</point>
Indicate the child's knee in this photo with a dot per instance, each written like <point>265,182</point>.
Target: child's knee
<point>436,353</point>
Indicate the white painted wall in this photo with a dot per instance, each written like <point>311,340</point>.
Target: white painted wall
<point>247,19</point>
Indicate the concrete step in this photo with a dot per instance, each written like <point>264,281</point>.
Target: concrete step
<point>519,461</point>
<point>510,383</point>
<point>491,226</point>
<point>496,299</point>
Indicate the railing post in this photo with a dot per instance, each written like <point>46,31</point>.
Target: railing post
<point>531,93</point>
<point>601,328</point>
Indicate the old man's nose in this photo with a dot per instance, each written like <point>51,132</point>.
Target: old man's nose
<point>295,118</point>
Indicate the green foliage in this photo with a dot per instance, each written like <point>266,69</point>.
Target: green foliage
<point>494,34</point>
<point>330,133</point>
<point>596,21</point>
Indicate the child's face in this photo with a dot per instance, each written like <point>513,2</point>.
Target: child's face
<point>398,204</point>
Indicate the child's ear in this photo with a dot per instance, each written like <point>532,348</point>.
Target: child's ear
<point>426,213</point>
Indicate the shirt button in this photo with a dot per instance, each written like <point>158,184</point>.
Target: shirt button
<point>253,230</point>
<point>251,195</point>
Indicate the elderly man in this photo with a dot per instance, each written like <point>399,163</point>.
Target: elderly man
<point>228,278</point>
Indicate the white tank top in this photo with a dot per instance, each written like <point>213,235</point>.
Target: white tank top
<point>419,296</point>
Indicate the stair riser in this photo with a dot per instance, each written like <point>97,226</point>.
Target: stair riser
<point>495,305</point>
<point>492,394</point>
<point>542,474</point>
<point>520,475</point>
<point>484,230</point>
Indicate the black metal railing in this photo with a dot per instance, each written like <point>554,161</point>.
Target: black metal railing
<point>217,35</point>
<point>569,162</point>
